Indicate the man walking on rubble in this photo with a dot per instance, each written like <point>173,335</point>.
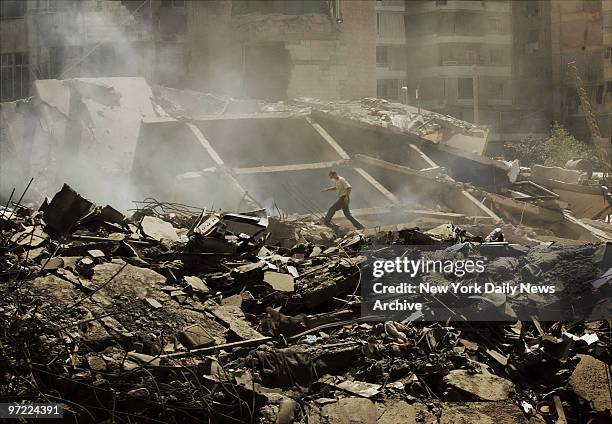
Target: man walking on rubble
<point>343,188</point>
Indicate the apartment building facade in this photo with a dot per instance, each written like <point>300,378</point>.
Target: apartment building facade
<point>460,59</point>
<point>502,63</point>
<point>265,49</point>
<point>581,32</point>
<point>532,67</point>
<point>391,49</point>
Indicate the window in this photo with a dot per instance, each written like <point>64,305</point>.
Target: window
<point>12,9</point>
<point>533,8</point>
<point>473,57</point>
<point>599,94</point>
<point>496,56</point>
<point>609,86</point>
<point>391,25</point>
<point>496,26</point>
<point>14,76</point>
<point>496,90</point>
<point>441,2</point>
<point>388,89</point>
<point>533,36</point>
<point>533,41</point>
<point>608,53</point>
<point>465,88</point>
<point>382,56</point>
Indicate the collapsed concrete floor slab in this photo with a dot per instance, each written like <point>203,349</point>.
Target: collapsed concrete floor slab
<point>395,180</point>
<point>182,147</point>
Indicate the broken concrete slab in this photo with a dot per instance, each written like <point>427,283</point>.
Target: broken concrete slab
<point>153,303</point>
<point>53,263</point>
<point>85,267</point>
<point>591,381</point>
<point>394,411</point>
<point>195,336</point>
<point>197,285</point>
<point>484,386</point>
<point>30,237</point>
<point>117,276</point>
<point>65,209</point>
<point>96,254</point>
<point>279,281</point>
<point>110,214</point>
<point>484,413</point>
<point>345,411</point>
<point>360,388</point>
<point>234,319</point>
<point>540,173</point>
<point>158,229</point>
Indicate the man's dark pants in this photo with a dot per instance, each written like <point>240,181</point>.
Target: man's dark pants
<point>342,203</point>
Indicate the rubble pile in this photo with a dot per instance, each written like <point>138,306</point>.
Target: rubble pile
<point>177,314</point>
<point>398,116</point>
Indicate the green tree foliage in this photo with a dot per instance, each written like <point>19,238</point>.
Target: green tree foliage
<point>555,150</point>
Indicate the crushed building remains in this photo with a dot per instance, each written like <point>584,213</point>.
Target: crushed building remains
<point>177,313</point>
<point>167,254</point>
<point>244,308</point>
<point>409,164</point>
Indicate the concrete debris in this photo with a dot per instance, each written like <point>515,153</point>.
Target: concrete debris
<point>196,284</point>
<point>485,413</point>
<point>158,229</point>
<point>65,210</point>
<point>153,303</point>
<point>591,381</point>
<point>345,411</point>
<point>195,336</point>
<point>279,281</point>
<point>481,386</point>
<point>31,236</point>
<point>120,127</point>
<point>233,315</point>
<point>360,388</point>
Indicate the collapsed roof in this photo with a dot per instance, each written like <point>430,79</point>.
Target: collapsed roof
<point>121,139</point>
